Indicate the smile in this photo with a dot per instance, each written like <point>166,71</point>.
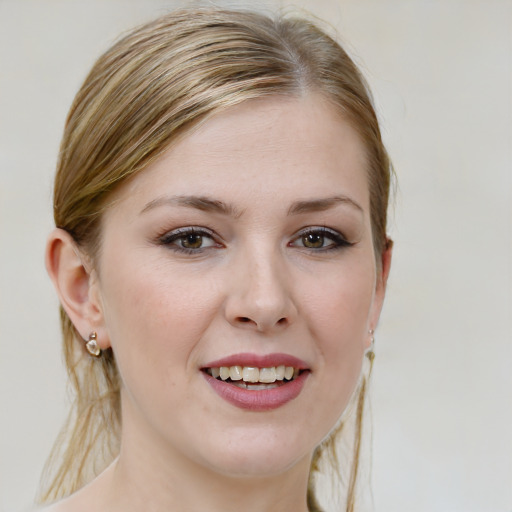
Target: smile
<point>257,383</point>
<point>253,378</point>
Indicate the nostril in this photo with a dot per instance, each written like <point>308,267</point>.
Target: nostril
<point>283,321</point>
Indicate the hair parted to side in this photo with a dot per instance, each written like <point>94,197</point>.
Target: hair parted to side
<point>152,87</point>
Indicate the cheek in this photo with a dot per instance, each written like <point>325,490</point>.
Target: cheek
<point>155,317</point>
<point>340,307</point>
<point>339,314</point>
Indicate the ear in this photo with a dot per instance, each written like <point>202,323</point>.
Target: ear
<point>380,287</point>
<point>76,284</point>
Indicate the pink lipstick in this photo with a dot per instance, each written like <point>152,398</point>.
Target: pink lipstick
<point>255,382</point>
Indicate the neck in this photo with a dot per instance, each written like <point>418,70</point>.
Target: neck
<point>137,484</point>
<point>177,491</point>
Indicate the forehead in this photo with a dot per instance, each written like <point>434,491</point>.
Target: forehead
<point>282,145</point>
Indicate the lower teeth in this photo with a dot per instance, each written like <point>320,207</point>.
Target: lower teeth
<point>255,385</point>
<point>246,385</point>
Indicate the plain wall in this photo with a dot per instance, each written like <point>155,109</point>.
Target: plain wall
<point>441,72</point>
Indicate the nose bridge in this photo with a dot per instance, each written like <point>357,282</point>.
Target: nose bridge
<point>261,294</point>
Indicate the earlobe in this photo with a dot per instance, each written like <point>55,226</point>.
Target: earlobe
<point>75,284</point>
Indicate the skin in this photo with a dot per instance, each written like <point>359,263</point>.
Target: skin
<point>256,284</point>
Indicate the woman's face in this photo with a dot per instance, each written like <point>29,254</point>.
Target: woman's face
<point>245,246</point>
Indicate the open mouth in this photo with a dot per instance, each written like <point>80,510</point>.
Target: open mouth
<point>257,383</point>
<point>254,378</point>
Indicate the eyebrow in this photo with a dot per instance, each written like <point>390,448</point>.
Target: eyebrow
<point>321,205</point>
<point>197,202</point>
<point>207,204</point>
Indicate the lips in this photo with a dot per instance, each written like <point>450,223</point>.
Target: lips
<point>257,383</point>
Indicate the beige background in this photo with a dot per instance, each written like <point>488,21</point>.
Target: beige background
<point>442,393</point>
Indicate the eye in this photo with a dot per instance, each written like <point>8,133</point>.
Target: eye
<point>320,239</point>
<point>313,240</point>
<point>189,240</point>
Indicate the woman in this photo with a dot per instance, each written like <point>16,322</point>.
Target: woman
<point>221,261</point>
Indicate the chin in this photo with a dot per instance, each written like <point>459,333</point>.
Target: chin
<point>257,467</point>
<point>263,453</point>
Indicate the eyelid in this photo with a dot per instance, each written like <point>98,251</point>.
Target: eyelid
<point>183,231</point>
<point>339,239</point>
<point>167,238</point>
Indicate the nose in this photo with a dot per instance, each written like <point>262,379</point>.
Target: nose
<point>260,295</point>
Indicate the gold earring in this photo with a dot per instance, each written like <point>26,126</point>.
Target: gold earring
<point>370,354</point>
<point>92,345</point>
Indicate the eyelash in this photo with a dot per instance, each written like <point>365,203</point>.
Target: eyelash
<point>168,239</point>
<point>338,240</point>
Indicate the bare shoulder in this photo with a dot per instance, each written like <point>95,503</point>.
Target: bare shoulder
<point>88,498</point>
<point>60,506</point>
<point>69,504</point>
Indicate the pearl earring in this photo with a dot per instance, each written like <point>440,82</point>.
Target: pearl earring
<point>92,345</point>
<point>370,354</point>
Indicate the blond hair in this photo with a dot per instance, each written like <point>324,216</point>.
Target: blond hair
<point>140,97</point>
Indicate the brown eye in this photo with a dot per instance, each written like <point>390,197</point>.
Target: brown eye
<point>320,239</point>
<point>192,241</point>
<point>313,241</point>
<point>189,240</point>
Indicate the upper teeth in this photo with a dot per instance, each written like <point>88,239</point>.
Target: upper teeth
<point>253,374</point>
